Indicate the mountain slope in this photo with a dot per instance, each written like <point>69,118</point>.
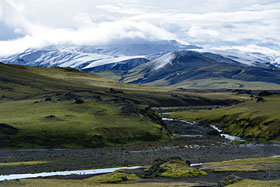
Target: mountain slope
<point>178,67</point>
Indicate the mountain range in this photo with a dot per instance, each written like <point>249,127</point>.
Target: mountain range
<point>161,63</point>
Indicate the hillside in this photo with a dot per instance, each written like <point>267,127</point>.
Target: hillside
<point>257,119</point>
<point>64,107</point>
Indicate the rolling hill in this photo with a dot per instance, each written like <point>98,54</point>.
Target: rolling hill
<point>68,108</point>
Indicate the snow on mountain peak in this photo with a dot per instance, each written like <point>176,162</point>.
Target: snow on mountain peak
<point>85,57</point>
<point>163,60</point>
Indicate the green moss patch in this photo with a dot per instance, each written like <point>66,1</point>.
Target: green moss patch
<point>28,163</point>
<point>115,177</point>
<point>256,183</point>
<point>172,169</point>
<point>245,165</point>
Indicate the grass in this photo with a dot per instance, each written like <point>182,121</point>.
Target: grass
<point>115,177</point>
<point>90,124</point>
<point>27,163</point>
<point>179,169</point>
<point>212,83</point>
<point>250,119</point>
<point>20,82</point>
<point>245,165</point>
<point>171,169</point>
<point>256,183</point>
<point>104,118</point>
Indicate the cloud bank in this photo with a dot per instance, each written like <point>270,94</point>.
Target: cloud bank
<point>252,25</point>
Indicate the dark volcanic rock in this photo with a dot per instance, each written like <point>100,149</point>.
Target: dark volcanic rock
<point>78,101</point>
<point>152,172</point>
<point>113,91</point>
<point>212,132</point>
<point>70,96</point>
<point>188,162</point>
<point>124,178</point>
<point>260,99</point>
<point>7,129</point>
<point>48,99</point>
<point>98,98</point>
<point>50,117</point>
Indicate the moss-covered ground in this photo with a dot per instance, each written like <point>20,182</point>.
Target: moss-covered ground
<point>115,177</point>
<point>27,163</point>
<point>245,165</point>
<point>179,169</point>
<point>256,183</point>
<point>68,125</point>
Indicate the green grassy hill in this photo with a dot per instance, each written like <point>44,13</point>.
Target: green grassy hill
<point>63,107</point>
<point>250,119</point>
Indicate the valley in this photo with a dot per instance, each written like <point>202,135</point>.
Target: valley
<point>70,120</point>
<point>130,93</point>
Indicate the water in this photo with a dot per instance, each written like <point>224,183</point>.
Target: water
<point>188,135</point>
<point>167,119</point>
<point>62,173</point>
<point>227,136</point>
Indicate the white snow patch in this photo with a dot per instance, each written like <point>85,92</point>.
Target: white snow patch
<point>111,60</point>
<point>163,60</point>
<point>248,58</point>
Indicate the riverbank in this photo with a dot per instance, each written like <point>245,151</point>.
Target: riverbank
<point>196,150</point>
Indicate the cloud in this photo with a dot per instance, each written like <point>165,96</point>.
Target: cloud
<point>98,34</point>
<point>210,23</point>
<point>120,9</point>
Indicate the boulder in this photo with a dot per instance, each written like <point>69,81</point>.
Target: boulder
<point>78,101</point>
<point>50,117</point>
<point>48,99</point>
<point>260,99</point>
<point>113,91</point>
<point>70,96</point>
<point>231,179</point>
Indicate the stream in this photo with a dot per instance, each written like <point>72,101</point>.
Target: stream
<point>191,128</point>
<point>62,173</point>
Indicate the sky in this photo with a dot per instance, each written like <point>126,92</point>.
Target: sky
<point>247,25</point>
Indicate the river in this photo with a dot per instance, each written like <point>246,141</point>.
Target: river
<point>62,173</point>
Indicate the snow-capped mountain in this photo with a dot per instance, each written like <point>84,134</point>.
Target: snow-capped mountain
<point>90,57</point>
<point>159,63</point>
<point>228,57</point>
<point>176,67</point>
<point>248,58</point>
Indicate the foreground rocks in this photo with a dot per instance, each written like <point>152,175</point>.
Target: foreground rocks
<point>172,167</point>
